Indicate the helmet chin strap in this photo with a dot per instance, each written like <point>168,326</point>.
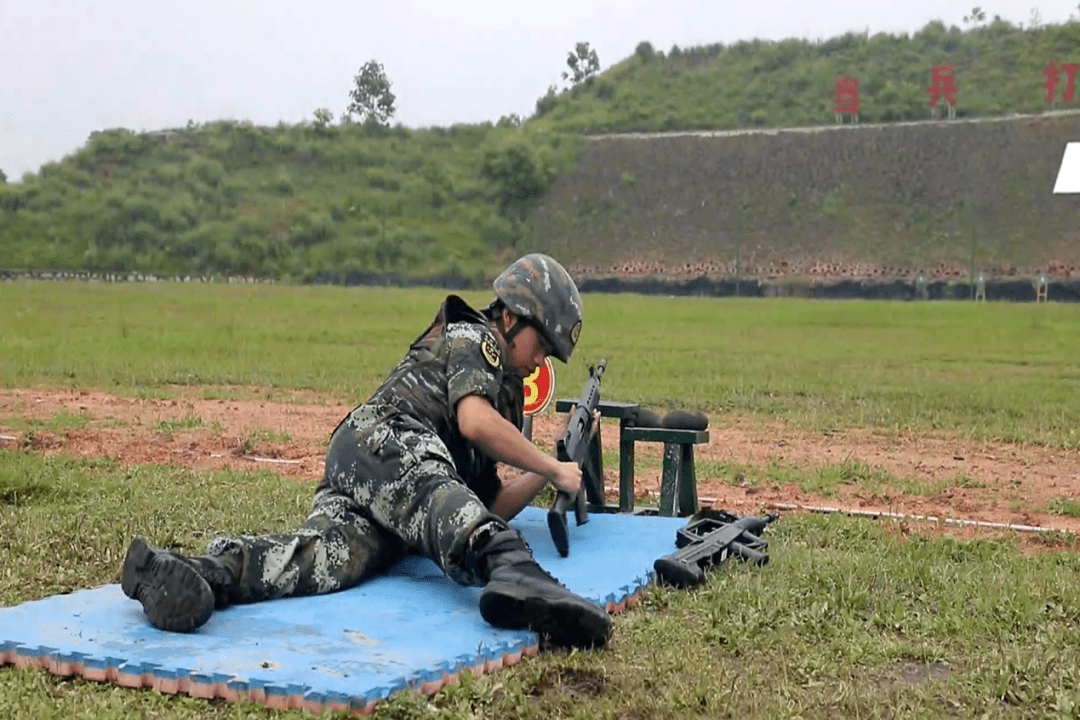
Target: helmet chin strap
<point>508,338</point>
<point>517,327</point>
<point>510,333</point>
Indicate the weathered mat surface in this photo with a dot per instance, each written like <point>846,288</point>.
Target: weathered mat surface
<point>409,628</point>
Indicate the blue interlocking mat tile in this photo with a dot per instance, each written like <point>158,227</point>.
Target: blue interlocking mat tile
<point>410,628</point>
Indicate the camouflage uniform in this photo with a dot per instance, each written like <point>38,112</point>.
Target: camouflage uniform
<point>399,475</point>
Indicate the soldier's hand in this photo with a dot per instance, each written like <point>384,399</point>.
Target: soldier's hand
<point>567,478</point>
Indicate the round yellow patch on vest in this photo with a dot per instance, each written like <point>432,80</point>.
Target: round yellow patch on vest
<point>490,348</point>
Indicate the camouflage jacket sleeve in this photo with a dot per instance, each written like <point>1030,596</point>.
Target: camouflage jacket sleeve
<point>473,364</point>
<point>474,367</point>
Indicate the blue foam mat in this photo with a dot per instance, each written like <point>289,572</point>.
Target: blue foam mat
<point>411,627</point>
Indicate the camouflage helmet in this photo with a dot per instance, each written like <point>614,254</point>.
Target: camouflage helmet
<point>538,289</point>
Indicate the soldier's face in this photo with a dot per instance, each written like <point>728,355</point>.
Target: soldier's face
<point>527,351</point>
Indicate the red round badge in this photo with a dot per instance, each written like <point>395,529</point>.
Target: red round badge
<point>539,389</point>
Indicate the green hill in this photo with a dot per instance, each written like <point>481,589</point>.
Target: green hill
<point>319,202</point>
<point>303,202</point>
<point>790,83</point>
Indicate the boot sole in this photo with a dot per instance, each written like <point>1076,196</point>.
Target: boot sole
<point>174,596</point>
<point>569,622</point>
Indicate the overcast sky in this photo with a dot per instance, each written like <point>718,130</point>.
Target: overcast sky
<point>69,67</point>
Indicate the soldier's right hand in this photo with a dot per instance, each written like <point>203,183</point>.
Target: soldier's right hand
<point>567,477</point>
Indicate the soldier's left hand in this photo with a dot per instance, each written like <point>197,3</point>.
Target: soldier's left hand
<point>593,430</point>
<point>595,424</point>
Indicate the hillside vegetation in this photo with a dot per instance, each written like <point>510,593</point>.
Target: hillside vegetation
<point>321,202</point>
<point>758,83</point>
<point>306,203</point>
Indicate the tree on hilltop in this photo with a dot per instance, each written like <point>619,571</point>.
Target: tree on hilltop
<point>323,118</point>
<point>583,63</point>
<point>977,16</point>
<point>645,51</point>
<point>371,98</point>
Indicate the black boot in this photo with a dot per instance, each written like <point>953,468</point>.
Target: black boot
<point>177,593</point>
<point>519,594</point>
<point>218,575</point>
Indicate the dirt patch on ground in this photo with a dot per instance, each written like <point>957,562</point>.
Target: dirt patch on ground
<point>977,483</point>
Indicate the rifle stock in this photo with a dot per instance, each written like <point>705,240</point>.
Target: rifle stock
<point>573,447</point>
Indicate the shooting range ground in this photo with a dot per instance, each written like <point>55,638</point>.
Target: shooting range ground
<point>180,411</point>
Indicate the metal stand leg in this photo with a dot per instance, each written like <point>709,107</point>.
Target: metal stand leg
<point>626,472</point>
<point>669,479</point>
<point>688,501</point>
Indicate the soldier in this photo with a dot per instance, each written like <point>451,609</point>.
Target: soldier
<point>414,469</point>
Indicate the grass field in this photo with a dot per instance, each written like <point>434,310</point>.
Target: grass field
<point>851,618</point>
<point>1000,370</point>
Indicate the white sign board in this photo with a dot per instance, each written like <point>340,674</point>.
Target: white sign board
<point>1068,179</point>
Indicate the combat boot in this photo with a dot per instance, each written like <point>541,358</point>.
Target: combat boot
<point>178,593</point>
<point>519,594</point>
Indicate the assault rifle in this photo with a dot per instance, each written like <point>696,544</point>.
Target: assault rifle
<point>708,540</point>
<point>574,447</point>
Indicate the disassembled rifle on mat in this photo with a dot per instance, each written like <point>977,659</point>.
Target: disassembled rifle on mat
<point>577,445</point>
<point>708,540</point>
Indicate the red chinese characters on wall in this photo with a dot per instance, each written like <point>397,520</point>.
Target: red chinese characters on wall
<point>942,85</point>
<point>846,98</point>
<point>847,95</point>
<point>1060,85</point>
<point>1053,78</point>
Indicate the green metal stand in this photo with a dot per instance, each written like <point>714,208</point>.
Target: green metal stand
<point>678,482</point>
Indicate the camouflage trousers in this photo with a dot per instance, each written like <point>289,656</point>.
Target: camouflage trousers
<point>390,487</point>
